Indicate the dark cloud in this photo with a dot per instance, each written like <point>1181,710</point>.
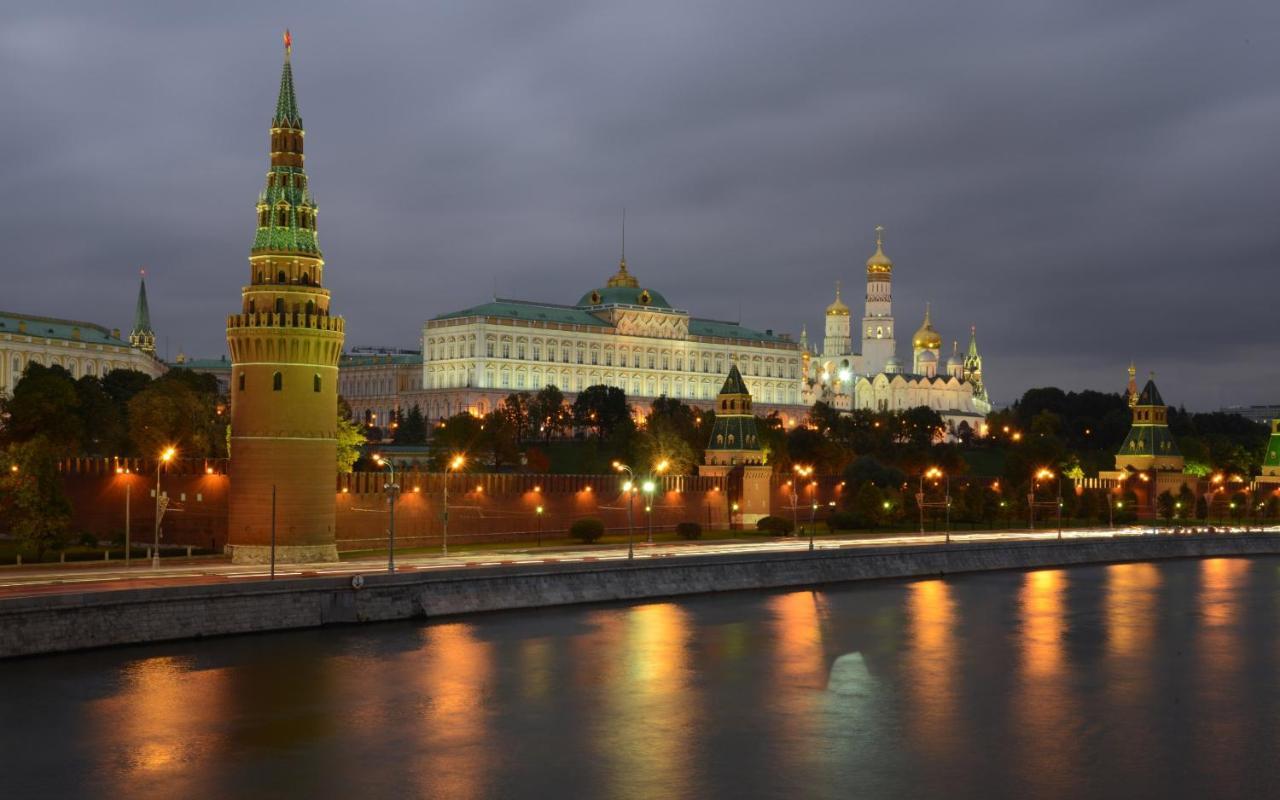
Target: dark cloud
<point>1085,182</point>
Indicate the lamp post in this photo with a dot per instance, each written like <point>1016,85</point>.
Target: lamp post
<point>456,463</point>
<point>165,458</point>
<point>813,511</point>
<point>392,488</point>
<point>648,510</point>
<point>1044,474</point>
<point>802,471</point>
<point>630,488</point>
<point>934,473</point>
<point>539,515</point>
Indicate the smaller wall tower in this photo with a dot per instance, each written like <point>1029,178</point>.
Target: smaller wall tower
<point>142,337</point>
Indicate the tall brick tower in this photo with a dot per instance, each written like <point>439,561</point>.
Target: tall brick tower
<point>284,353</point>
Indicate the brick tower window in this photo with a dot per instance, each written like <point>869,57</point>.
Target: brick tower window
<point>315,382</point>
<point>277,382</point>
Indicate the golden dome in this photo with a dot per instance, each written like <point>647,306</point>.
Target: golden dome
<point>879,263</point>
<point>926,338</point>
<point>838,308</point>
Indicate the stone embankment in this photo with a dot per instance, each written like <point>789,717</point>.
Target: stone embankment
<point>62,622</point>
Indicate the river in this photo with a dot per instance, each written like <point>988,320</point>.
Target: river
<point>1130,680</point>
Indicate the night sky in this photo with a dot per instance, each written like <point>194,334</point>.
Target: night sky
<point>1088,182</point>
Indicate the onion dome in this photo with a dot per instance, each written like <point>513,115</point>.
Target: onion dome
<point>892,366</point>
<point>879,265</point>
<point>955,362</point>
<point>926,338</point>
<point>838,308</point>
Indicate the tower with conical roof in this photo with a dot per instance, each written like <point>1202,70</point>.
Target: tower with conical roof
<point>878,345</point>
<point>1149,444</point>
<point>973,366</point>
<point>837,343</point>
<point>284,348</point>
<point>142,337</point>
<point>735,453</point>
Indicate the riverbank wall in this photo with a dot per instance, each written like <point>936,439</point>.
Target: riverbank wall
<point>75,621</point>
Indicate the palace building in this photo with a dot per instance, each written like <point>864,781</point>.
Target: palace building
<point>81,348</point>
<point>873,377</point>
<point>620,334</point>
<point>284,347</point>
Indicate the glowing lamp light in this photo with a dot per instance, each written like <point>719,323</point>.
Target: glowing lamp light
<point>539,509</point>
<point>168,454</point>
<point>537,488</point>
<point>648,486</point>
<point>456,462</point>
<point>417,489</point>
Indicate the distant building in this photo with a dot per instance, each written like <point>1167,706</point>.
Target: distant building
<point>82,348</point>
<point>1262,414</point>
<point>873,377</point>
<point>219,368</point>
<point>620,334</point>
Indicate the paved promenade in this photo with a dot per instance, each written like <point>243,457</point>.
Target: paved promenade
<point>87,577</point>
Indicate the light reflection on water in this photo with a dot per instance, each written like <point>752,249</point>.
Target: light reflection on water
<point>1094,681</point>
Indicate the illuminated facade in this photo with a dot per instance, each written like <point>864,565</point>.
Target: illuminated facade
<point>619,335</point>
<point>81,348</point>
<point>284,347</point>
<point>874,378</point>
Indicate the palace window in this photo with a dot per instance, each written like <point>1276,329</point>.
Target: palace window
<point>635,362</point>
<point>520,351</point>
<point>579,356</point>
<point>564,354</point>
<point>595,357</point>
<point>537,352</point>
<point>706,364</point>
<point>652,360</point>
<point>488,349</point>
<point>666,361</point>
<point>506,349</point>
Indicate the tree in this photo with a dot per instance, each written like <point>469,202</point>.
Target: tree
<point>1202,508</point>
<point>32,502</point>
<point>498,439</point>
<point>660,442</point>
<point>1164,504</point>
<point>921,426</point>
<point>169,414</point>
<point>516,409</point>
<point>102,420</point>
<point>602,409</point>
<point>350,440</point>
<point>457,435</point>
<point>45,404</point>
<point>1186,502</point>
<point>867,506</point>
<point>412,429</point>
<point>547,412</point>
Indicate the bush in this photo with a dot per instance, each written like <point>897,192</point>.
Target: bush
<point>841,521</point>
<point>689,530</point>
<point>88,540</point>
<point>779,526</point>
<point>588,529</point>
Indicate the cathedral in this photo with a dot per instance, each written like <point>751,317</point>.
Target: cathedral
<point>873,377</point>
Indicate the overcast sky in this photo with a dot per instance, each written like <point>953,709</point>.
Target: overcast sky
<point>1088,182</point>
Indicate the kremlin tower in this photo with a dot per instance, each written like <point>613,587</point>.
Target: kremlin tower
<point>284,351</point>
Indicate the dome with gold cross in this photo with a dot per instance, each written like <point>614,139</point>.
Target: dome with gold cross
<point>879,264</point>
<point>838,308</point>
<point>926,338</point>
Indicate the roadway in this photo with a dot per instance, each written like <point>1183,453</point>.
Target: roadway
<point>98,576</point>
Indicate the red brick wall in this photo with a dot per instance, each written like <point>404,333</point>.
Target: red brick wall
<point>482,507</point>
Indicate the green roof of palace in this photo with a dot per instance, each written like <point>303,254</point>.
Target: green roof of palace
<point>730,330</point>
<point>201,364</point>
<point>53,328</point>
<point>376,359</point>
<point>623,296</point>
<point>534,312</point>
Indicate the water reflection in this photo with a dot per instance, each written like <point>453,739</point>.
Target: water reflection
<point>452,730</point>
<point>1131,612</point>
<point>160,724</point>
<point>648,719</point>
<point>1220,651</point>
<point>932,664</point>
<point>1044,704</point>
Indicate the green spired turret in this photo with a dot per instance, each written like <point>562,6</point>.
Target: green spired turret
<point>1271,461</point>
<point>973,365</point>
<point>734,438</point>
<point>286,210</point>
<point>1149,444</point>
<point>142,337</point>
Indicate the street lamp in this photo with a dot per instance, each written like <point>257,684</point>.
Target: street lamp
<point>539,513</point>
<point>392,488</point>
<point>933,473</point>
<point>456,463</point>
<point>1045,474</point>
<point>630,488</point>
<point>802,471</point>
<point>165,458</point>
<point>648,488</point>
